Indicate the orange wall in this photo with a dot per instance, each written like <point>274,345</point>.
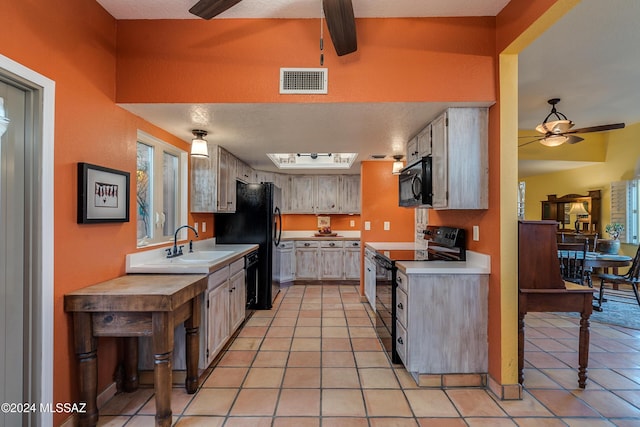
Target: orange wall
<point>310,222</point>
<point>229,60</point>
<point>74,43</point>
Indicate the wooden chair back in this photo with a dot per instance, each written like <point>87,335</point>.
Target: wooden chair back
<point>572,257</point>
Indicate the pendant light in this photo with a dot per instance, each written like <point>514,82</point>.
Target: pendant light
<point>199,144</point>
<point>398,164</point>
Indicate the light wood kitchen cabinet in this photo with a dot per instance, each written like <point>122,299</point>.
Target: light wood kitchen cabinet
<point>237,294</point>
<point>204,181</point>
<point>331,259</point>
<point>244,172</point>
<point>327,194</point>
<point>286,257</point>
<point>217,310</point>
<point>370,278</point>
<point>412,152</point>
<point>460,164</point>
<point>352,259</point>
<point>419,146</point>
<point>302,189</point>
<point>441,323</point>
<point>350,194</point>
<point>323,194</point>
<point>307,260</point>
<point>263,176</point>
<point>282,181</point>
<point>213,181</point>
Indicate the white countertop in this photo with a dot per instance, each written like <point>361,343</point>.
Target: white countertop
<point>476,262</point>
<point>156,261</point>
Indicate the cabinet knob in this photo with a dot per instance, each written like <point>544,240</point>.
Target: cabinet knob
<point>307,244</point>
<point>400,306</point>
<point>332,244</point>
<point>399,279</point>
<point>400,340</point>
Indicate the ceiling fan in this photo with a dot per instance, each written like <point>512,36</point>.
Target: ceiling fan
<point>338,14</point>
<point>558,130</point>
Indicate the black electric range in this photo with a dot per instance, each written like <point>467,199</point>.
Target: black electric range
<point>443,244</point>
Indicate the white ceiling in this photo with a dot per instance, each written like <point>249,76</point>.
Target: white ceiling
<point>588,59</point>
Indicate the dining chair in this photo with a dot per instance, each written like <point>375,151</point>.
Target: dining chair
<point>571,257</point>
<point>630,278</point>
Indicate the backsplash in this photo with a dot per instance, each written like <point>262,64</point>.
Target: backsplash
<point>421,221</point>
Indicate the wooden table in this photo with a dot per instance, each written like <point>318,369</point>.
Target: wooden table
<point>132,306</point>
<point>605,261</point>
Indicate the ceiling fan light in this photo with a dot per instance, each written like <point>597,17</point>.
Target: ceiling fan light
<point>554,140</point>
<point>555,127</point>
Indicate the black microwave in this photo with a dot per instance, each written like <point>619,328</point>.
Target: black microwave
<point>414,181</point>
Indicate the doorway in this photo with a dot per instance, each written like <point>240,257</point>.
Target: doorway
<point>26,247</point>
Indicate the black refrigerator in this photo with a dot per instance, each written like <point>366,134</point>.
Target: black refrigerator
<point>257,219</point>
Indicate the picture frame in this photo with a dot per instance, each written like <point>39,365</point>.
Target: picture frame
<point>103,194</point>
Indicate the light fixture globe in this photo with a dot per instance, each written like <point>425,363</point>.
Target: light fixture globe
<point>555,127</point>
<point>199,144</point>
<point>554,140</point>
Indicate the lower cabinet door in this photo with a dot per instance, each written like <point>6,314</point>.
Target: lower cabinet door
<point>218,325</point>
<point>401,343</point>
<point>237,300</point>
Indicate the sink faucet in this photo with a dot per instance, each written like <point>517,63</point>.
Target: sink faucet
<point>175,251</point>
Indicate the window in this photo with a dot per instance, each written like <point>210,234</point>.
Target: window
<point>624,208</point>
<point>161,188</point>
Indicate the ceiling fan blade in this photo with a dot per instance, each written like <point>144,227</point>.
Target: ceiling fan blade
<point>573,139</point>
<point>530,142</point>
<point>600,128</point>
<point>207,9</point>
<point>342,25</point>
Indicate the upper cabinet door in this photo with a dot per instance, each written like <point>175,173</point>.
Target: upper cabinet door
<point>301,189</point>
<point>439,164</point>
<point>424,141</point>
<point>350,194</point>
<point>204,181</point>
<point>327,194</point>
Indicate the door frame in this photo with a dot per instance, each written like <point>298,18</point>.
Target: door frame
<point>42,90</point>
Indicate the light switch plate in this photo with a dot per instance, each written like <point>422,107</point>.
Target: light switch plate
<point>387,225</point>
<point>195,225</point>
<point>476,233</point>
<point>367,225</point>
<point>352,223</point>
<point>204,227</point>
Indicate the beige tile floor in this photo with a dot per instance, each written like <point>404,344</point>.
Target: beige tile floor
<point>314,361</point>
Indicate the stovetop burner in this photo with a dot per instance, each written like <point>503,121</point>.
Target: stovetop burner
<point>443,244</point>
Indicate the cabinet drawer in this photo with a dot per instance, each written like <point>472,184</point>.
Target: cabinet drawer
<point>331,244</point>
<point>401,307</point>
<point>401,342</point>
<point>352,243</point>
<point>286,244</point>
<point>307,244</point>
<point>401,280</point>
<point>218,277</point>
<point>236,266</point>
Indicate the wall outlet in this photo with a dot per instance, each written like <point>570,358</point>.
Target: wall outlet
<point>476,233</point>
<point>195,225</point>
<point>367,225</point>
<point>387,226</point>
<point>352,223</point>
<point>204,227</point>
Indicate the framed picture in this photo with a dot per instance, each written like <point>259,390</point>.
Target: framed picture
<point>103,194</point>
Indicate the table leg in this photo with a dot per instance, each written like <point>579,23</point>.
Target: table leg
<point>162,375</point>
<point>131,380</point>
<point>86,352</point>
<point>192,348</point>
<point>583,348</point>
